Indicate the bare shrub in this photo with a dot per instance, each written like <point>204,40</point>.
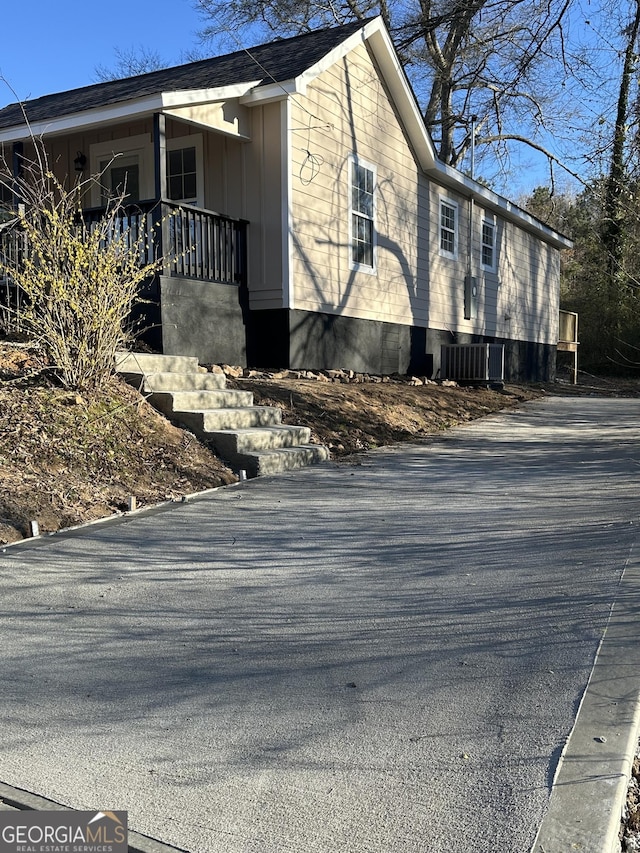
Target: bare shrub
<point>78,280</point>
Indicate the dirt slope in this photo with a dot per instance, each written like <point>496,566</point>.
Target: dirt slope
<point>67,458</point>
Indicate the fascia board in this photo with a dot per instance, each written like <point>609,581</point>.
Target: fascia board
<point>82,120</point>
<point>275,91</point>
<point>207,96</point>
<point>449,177</point>
<point>122,111</point>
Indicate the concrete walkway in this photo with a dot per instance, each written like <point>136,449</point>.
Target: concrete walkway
<point>380,656</point>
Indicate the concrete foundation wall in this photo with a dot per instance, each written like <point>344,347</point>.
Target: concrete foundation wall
<point>332,341</point>
<point>207,320</point>
<point>204,319</point>
<point>524,361</point>
<point>318,341</point>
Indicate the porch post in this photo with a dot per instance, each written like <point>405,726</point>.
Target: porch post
<point>160,156</point>
<point>160,178</point>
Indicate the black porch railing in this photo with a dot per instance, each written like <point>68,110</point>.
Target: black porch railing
<point>189,241</point>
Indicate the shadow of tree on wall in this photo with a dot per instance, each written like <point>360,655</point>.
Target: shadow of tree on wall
<point>397,225</point>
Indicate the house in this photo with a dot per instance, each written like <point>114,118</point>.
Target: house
<point>306,220</point>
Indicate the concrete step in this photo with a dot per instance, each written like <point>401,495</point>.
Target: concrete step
<point>145,362</point>
<point>172,382</point>
<point>192,401</point>
<point>284,459</point>
<point>233,442</point>
<point>248,437</point>
<point>243,417</point>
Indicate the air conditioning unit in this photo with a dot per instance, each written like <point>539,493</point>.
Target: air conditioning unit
<point>472,362</point>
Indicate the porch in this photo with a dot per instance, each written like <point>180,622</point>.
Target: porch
<point>189,243</point>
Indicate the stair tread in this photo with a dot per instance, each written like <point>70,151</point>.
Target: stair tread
<point>266,428</point>
<point>290,450</point>
<point>194,405</point>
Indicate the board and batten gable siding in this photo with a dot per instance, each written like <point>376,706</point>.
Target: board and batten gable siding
<point>347,113</point>
<point>222,159</point>
<point>263,191</point>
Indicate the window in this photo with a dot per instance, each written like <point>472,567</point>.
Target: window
<point>448,228</point>
<point>362,214</point>
<point>185,169</point>
<point>488,245</point>
<point>182,173</point>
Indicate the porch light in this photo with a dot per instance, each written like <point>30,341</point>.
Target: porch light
<point>80,162</point>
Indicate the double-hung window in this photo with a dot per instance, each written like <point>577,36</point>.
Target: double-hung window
<point>185,171</point>
<point>488,245</point>
<point>362,215</point>
<point>448,228</point>
<point>182,175</point>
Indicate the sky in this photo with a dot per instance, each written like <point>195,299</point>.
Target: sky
<point>54,46</point>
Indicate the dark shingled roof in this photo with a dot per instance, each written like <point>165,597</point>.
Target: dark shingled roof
<point>276,61</point>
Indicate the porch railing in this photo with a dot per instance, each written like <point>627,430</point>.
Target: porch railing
<point>189,241</point>
<point>13,248</point>
<point>568,339</point>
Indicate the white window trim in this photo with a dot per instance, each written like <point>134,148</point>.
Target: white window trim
<point>371,270</point>
<point>191,140</point>
<point>492,224</point>
<point>453,204</point>
<point>130,145</point>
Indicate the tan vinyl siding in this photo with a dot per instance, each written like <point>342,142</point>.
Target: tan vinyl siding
<point>528,272</point>
<point>346,112</point>
<point>519,300</point>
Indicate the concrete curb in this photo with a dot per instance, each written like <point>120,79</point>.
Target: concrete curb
<point>16,798</point>
<point>590,786</point>
<point>109,520</point>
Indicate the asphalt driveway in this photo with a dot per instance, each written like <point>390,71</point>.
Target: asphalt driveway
<point>381,656</point>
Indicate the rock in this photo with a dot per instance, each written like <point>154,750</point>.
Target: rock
<point>233,370</point>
